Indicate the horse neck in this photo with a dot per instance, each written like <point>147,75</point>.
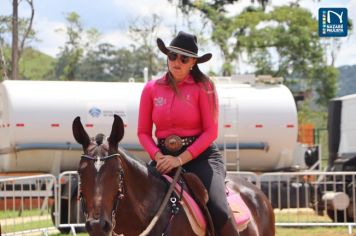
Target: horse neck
<point>143,191</point>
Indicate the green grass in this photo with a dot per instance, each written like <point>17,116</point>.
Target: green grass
<point>302,215</point>
<point>25,213</point>
<point>281,231</point>
<point>27,226</point>
<point>283,216</point>
<point>313,231</point>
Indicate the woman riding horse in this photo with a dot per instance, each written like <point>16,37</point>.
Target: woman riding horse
<point>122,195</point>
<point>183,106</point>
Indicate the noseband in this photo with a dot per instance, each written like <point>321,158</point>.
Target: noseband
<point>98,163</point>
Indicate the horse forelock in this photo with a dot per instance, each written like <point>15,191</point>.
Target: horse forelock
<point>99,139</point>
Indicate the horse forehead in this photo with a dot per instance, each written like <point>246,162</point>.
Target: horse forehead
<point>95,149</point>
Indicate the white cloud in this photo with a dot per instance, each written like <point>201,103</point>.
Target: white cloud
<point>50,40</point>
<point>116,38</point>
<point>347,52</point>
<point>144,7</point>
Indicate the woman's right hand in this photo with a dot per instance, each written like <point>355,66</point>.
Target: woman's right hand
<point>158,156</point>
<point>165,163</point>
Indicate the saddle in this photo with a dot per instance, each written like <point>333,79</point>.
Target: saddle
<point>194,199</point>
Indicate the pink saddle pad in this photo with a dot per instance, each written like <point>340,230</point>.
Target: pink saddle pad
<point>241,212</point>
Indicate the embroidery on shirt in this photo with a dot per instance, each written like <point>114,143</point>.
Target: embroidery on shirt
<point>160,101</point>
<point>187,97</point>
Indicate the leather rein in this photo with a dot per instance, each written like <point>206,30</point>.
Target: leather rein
<point>99,161</point>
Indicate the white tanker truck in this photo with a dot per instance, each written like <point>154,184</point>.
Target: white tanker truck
<point>257,129</point>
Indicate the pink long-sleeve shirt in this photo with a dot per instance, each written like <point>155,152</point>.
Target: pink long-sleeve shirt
<point>190,112</point>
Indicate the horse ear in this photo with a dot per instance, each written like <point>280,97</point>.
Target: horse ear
<point>79,133</point>
<point>117,131</point>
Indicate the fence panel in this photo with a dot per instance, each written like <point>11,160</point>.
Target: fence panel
<point>70,215</point>
<point>299,199</point>
<point>26,204</point>
<point>311,198</point>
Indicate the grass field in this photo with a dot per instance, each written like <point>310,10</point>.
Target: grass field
<point>315,231</point>
<point>26,223</point>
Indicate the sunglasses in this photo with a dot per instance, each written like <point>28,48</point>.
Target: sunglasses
<point>172,56</point>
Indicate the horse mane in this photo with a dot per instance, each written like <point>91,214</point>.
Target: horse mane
<point>139,163</point>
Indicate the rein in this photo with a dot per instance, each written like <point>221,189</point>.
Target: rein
<point>99,161</point>
<point>164,203</point>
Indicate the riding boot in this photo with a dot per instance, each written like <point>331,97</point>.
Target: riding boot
<point>229,228</point>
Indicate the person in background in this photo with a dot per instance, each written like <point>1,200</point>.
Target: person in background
<point>183,106</point>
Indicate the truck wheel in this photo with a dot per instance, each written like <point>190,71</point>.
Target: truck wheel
<point>339,216</point>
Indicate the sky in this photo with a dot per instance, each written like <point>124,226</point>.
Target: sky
<point>112,18</point>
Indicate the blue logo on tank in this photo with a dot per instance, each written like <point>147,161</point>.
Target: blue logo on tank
<point>95,112</point>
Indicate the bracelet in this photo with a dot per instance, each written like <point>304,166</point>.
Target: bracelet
<point>180,161</point>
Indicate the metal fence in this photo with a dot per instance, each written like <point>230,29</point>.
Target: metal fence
<point>30,205</point>
<point>312,198</point>
<point>26,204</point>
<point>70,216</point>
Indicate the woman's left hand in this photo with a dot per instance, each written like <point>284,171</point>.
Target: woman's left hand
<point>166,163</point>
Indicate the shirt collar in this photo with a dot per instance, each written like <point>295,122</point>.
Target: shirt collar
<point>188,79</point>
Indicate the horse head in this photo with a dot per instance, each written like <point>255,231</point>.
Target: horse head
<point>100,189</point>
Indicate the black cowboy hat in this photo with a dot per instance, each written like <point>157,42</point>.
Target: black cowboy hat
<point>184,44</point>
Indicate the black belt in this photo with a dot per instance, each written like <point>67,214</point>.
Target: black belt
<point>174,143</point>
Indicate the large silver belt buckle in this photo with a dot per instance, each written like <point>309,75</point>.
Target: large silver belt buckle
<point>173,143</point>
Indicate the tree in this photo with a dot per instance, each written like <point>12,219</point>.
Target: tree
<point>106,63</point>
<point>143,31</point>
<point>16,48</point>
<point>78,42</point>
<point>219,5</point>
<point>289,46</point>
<point>98,64</point>
<point>283,42</point>
<point>19,28</point>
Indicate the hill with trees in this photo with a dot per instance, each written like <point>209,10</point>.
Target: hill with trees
<point>33,65</point>
<point>347,80</point>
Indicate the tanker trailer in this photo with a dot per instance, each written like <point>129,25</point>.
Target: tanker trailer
<point>257,128</point>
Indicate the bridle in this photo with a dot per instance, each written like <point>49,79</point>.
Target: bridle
<point>98,163</point>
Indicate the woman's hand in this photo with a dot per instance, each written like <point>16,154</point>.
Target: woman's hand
<point>165,163</point>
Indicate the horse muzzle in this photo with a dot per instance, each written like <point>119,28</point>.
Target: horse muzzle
<point>99,227</point>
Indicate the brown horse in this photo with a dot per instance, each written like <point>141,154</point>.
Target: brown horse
<point>120,194</point>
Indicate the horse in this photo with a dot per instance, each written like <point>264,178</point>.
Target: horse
<point>120,194</point>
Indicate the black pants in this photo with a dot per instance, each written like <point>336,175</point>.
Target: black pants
<point>209,166</point>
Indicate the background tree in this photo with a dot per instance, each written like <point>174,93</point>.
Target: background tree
<point>97,64</point>
<point>16,48</point>
<point>21,33</point>
<point>143,32</point>
<point>189,5</point>
<point>78,42</point>
<point>283,42</point>
<point>106,63</point>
